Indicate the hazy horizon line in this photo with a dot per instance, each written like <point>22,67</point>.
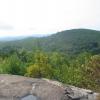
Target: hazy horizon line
<point>42,34</point>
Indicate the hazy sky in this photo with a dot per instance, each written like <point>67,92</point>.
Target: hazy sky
<point>26,17</point>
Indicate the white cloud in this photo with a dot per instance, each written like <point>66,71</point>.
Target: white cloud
<point>23,17</point>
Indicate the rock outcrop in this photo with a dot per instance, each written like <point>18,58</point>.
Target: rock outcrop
<point>13,87</point>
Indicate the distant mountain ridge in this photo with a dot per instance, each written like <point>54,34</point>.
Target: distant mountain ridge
<point>69,41</point>
<point>14,38</point>
<point>11,38</point>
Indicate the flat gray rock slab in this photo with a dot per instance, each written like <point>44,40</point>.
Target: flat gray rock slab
<point>29,97</point>
<point>18,87</point>
<point>13,87</point>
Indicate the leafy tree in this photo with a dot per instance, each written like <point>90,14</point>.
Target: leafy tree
<point>41,67</point>
<point>92,69</point>
<point>14,65</point>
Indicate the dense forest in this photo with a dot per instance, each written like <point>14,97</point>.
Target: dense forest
<point>71,57</point>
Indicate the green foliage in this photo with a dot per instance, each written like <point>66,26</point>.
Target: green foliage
<point>92,72</point>
<point>41,67</point>
<point>13,65</point>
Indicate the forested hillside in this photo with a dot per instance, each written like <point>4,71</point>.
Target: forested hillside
<point>71,41</point>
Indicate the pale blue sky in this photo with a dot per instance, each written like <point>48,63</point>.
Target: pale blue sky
<point>27,17</point>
